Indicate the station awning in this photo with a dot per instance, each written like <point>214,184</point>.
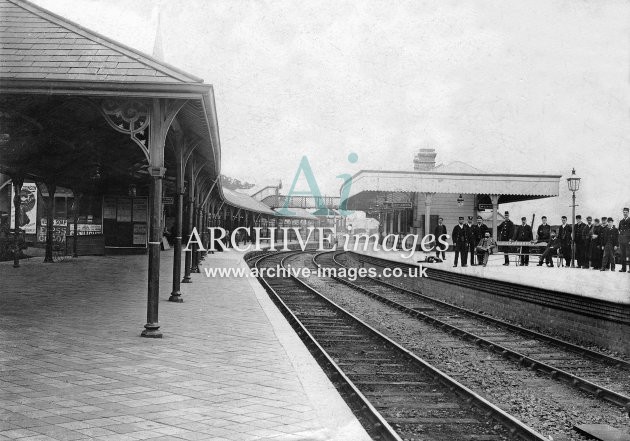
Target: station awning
<point>365,184</point>
<point>58,80</point>
<point>245,202</point>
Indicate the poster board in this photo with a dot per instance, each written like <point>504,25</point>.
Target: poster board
<point>139,234</point>
<point>109,208</point>
<point>123,210</point>
<point>27,217</point>
<point>60,227</point>
<point>125,221</point>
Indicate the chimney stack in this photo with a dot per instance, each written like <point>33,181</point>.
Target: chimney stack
<point>424,160</point>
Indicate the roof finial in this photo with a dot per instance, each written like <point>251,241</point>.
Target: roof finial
<point>157,44</point>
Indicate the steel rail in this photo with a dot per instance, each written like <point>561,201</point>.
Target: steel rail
<point>516,428</point>
<point>351,392</point>
<point>616,362</point>
<point>532,363</point>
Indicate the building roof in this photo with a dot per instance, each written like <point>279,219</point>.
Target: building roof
<point>246,202</point>
<point>37,44</point>
<point>511,187</point>
<point>45,55</point>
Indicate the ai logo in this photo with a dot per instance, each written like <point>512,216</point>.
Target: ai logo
<point>305,167</point>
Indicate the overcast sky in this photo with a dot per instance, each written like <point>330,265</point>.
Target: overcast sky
<point>506,86</point>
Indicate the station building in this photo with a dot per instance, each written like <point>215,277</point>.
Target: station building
<point>412,201</point>
<point>104,143</point>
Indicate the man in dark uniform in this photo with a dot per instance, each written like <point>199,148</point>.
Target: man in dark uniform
<point>587,233</point>
<point>611,242</point>
<point>460,244</point>
<point>596,245</point>
<point>579,241</point>
<point>505,233</point>
<point>524,234</point>
<point>624,238</point>
<point>553,245</point>
<point>564,233</point>
<point>544,231</point>
<point>438,231</point>
<point>471,240</point>
<point>603,233</point>
<point>478,233</point>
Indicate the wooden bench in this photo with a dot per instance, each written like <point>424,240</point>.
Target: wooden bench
<point>520,245</point>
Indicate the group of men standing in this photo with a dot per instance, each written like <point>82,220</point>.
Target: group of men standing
<point>595,241</point>
<point>465,238</point>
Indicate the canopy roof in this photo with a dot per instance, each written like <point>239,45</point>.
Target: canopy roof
<point>246,202</point>
<point>39,44</point>
<point>57,78</point>
<point>365,184</point>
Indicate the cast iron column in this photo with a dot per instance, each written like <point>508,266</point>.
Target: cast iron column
<point>75,212</point>
<point>151,329</point>
<point>176,295</point>
<point>17,206</point>
<point>50,220</point>
<point>195,252</point>
<point>191,208</point>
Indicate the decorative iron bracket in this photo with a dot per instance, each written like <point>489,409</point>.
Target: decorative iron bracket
<point>131,117</point>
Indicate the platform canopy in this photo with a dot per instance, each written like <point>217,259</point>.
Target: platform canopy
<point>82,111</point>
<point>63,88</point>
<point>457,178</point>
<point>245,202</point>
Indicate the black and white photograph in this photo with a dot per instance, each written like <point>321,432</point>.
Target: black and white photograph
<point>326,220</point>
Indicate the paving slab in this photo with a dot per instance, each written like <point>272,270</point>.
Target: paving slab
<point>73,366</point>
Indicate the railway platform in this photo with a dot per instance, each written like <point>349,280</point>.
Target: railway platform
<point>608,286</point>
<point>229,367</point>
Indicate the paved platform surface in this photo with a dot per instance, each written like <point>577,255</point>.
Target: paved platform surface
<point>614,287</point>
<point>73,367</point>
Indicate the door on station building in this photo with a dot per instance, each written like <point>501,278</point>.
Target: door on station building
<point>433,221</point>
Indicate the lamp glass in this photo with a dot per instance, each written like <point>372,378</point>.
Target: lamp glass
<point>573,182</point>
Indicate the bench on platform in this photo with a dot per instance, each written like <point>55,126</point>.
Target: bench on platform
<point>518,246</point>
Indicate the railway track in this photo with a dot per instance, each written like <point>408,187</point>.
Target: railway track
<point>604,376</point>
<point>394,393</point>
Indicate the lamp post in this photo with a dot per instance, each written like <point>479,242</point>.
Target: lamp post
<point>574,185</point>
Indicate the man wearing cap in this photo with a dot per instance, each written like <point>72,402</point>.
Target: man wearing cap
<point>603,234</point>
<point>553,245</point>
<point>478,233</point>
<point>611,242</point>
<point>471,240</point>
<point>440,230</point>
<point>596,245</point>
<point>460,244</point>
<point>587,233</point>
<point>524,234</point>
<point>624,238</point>
<point>564,234</point>
<point>579,241</point>
<point>505,233</point>
<point>544,231</point>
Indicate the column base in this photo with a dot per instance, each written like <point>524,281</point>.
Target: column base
<point>151,330</point>
<point>195,270</point>
<point>176,298</point>
<point>16,265</point>
<point>187,279</point>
